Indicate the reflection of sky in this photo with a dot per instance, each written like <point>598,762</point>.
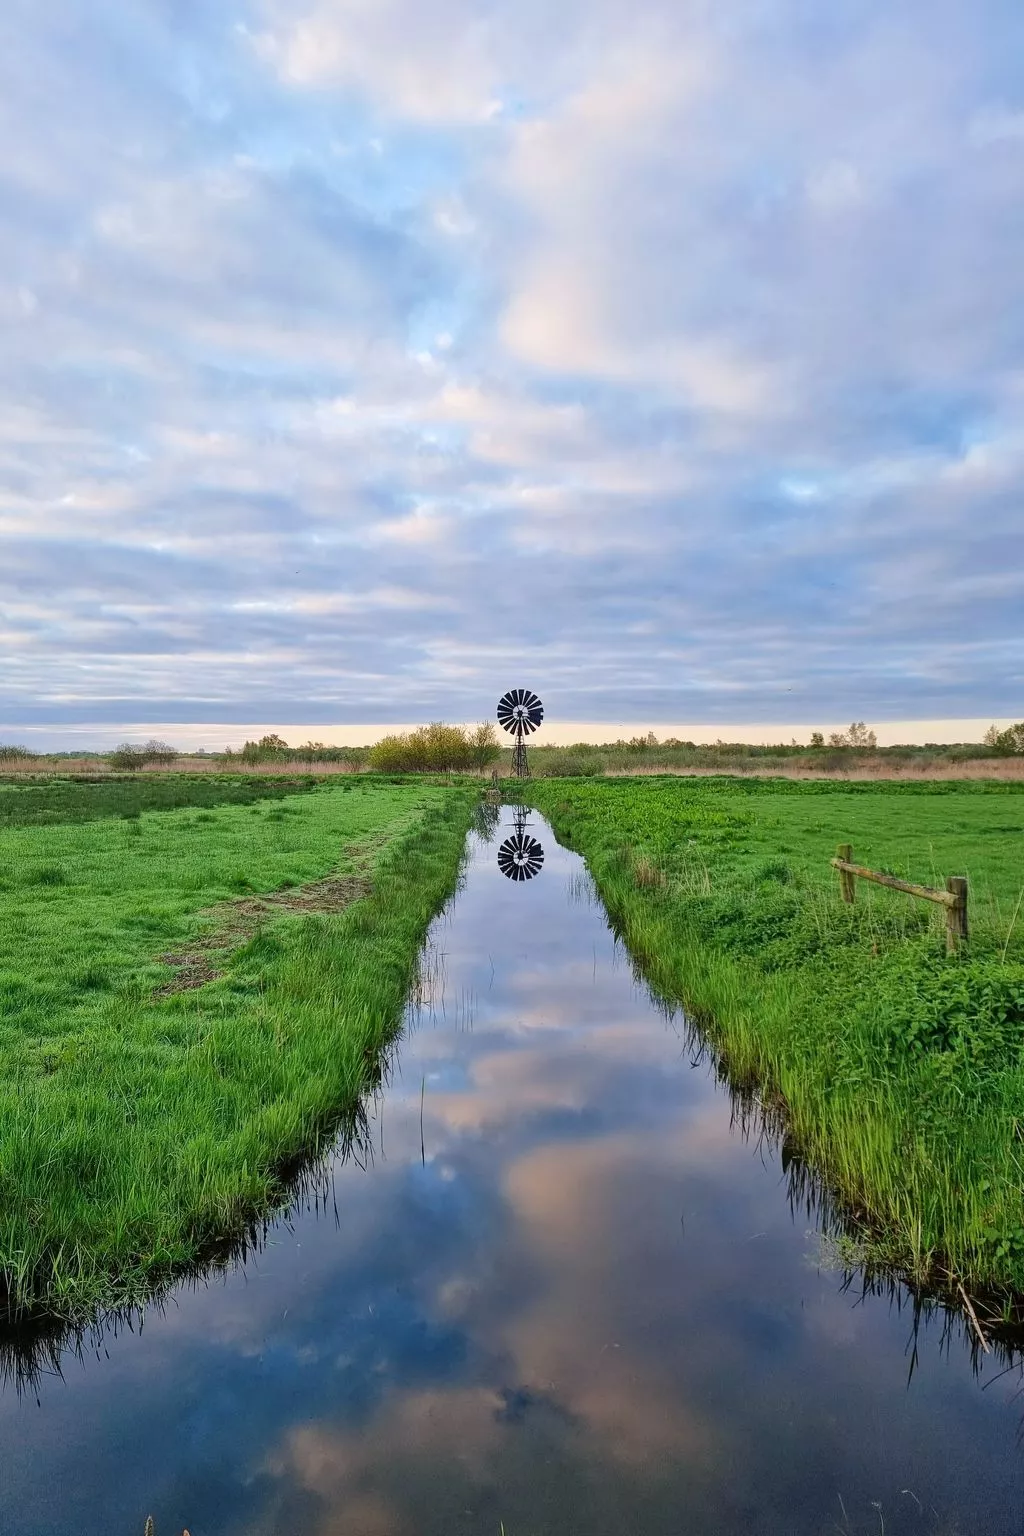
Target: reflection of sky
<point>585,1308</point>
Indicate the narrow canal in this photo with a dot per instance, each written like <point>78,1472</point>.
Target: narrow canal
<point>567,1292</point>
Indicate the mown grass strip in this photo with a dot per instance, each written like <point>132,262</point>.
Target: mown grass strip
<point>157,1127</point>
<point>900,1070</point>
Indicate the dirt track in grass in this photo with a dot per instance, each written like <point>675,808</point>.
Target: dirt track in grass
<point>236,922</point>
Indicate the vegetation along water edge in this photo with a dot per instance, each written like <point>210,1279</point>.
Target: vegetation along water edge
<point>899,1069</point>
<point>190,998</point>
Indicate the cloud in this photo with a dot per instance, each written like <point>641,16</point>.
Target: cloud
<point>648,350</point>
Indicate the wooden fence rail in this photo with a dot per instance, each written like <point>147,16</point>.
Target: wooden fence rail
<point>953,898</point>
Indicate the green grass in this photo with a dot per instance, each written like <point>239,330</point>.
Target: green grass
<point>61,800</point>
<point>900,1071</point>
<point>137,1130</point>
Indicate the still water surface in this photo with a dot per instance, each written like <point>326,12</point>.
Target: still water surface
<point>567,1294</point>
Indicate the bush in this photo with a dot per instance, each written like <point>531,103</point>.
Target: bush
<point>435,748</point>
<point>159,752</point>
<point>126,758</point>
<point>485,746</point>
<point>572,766</point>
<point>857,736</point>
<point>1006,743</point>
<point>129,758</point>
<point>14,754</point>
<point>267,749</point>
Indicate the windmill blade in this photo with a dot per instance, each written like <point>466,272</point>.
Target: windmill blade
<point>520,857</point>
<point>506,710</point>
<point>520,712</point>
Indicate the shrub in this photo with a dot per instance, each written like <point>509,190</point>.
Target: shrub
<point>1006,743</point>
<point>857,736</point>
<point>435,748</point>
<point>13,754</point>
<point>486,749</point>
<point>265,750</point>
<point>572,765</point>
<point>129,758</point>
<point>159,752</point>
<point>126,758</point>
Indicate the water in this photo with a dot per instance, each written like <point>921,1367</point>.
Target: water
<point>566,1295</point>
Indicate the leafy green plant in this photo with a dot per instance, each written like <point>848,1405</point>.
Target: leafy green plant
<point>1008,743</point>
<point>127,759</point>
<point>436,748</point>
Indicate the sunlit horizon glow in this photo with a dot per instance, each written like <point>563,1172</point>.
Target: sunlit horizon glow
<point>361,361</point>
<point>215,737</point>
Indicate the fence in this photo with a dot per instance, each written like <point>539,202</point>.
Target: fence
<point>953,898</point>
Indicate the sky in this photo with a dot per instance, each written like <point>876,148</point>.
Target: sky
<point>360,359</point>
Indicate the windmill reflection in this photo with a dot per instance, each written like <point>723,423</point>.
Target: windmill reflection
<point>520,856</point>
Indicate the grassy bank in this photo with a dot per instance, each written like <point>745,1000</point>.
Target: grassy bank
<point>140,1124</point>
<point>900,1071</point>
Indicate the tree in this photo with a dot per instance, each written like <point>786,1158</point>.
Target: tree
<point>817,739</point>
<point>390,755</point>
<point>484,743</point>
<point>857,736</point>
<point>267,748</point>
<point>127,758</point>
<point>434,748</point>
<point>159,752</point>
<point>1006,743</point>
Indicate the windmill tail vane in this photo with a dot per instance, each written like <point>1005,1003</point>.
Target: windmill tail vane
<point>520,712</point>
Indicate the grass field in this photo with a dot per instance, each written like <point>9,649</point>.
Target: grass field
<point>26,803</point>
<point>899,1070</point>
<point>142,1117</point>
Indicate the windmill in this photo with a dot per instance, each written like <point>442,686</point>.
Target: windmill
<point>520,856</point>
<point>520,712</point>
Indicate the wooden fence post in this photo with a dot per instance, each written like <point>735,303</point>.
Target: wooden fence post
<point>847,882</point>
<point>956,913</point>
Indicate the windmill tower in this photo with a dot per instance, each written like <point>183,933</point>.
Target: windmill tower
<point>520,712</point>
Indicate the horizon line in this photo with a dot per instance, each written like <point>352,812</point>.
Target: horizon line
<point>216,737</point>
